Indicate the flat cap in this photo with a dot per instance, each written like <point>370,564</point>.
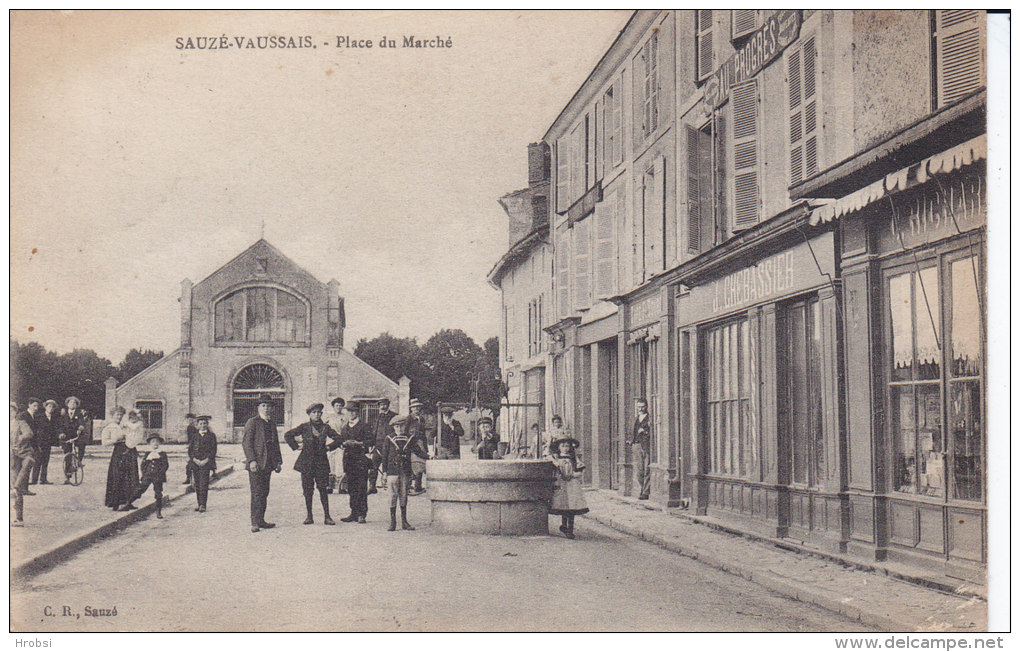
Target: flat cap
<point>314,407</point>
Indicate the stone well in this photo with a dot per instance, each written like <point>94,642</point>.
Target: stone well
<point>508,497</point>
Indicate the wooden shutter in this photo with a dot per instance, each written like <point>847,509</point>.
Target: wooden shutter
<point>652,188</point>
<point>582,264</point>
<point>746,170</point>
<point>562,174</point>
<point>704,54</point>
<point>600,139</point>
<point>563,272</point>
<point>744,22</point>
<point>802,90</point>
<point>638,237</point>
<point>589,151</point>
<point>669,221</point>
<point>699,190</point>
<point>605,247</point>
<point>960,53</point>
<point>652,83</point>
<point>617,120</point>
<point>716,223</point>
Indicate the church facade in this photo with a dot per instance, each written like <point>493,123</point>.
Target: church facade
<point>260,324</point>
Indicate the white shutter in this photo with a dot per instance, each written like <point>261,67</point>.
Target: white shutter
<point>746,182</point>
<point>704,54</point>
<point>582,264</point>
<point>802,81</point>
<point>618,123</point>
<point>744,22</point>
<point>638,237</point>
<point>653,217</point>
<point>600,139</point>
<point>960,53</point>
<point>563,272</point>
<point>562,174</point>
<point>605,247</point>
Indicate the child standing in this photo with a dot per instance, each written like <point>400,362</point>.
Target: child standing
<point>567,499</point>
<point>154,467</point>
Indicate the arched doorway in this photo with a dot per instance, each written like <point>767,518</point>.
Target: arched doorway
<point>250,383</point>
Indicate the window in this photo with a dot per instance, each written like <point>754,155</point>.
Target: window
<point>647,88</point>
<point>151,413</point>
<point>802,85</point>
<point>801,405</point>
<point>261,314</point>
<point>732,441</point>
<point>655,233</point>
<point>744,139</point>
<point>612,120</point>
<point>933,441</point>
<point>704,56</point>
<point>744,22</point>
<point>959,45</point>
<point>706,185</point>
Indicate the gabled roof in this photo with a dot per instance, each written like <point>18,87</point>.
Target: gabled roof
<point>263,244</point>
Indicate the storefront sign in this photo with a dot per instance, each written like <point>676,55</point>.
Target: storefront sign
<point>646,310</point>
<point>936,214</point>
<point>780,30</point>
<point>774,277</point>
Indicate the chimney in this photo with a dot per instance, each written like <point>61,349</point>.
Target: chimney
<point>538,163</point>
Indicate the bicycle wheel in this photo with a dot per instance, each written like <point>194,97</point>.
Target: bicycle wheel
<point>78,475</point>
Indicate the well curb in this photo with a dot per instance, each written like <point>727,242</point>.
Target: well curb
<point>78,542</point>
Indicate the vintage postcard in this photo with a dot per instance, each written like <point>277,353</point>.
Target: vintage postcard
<point>543,321</point>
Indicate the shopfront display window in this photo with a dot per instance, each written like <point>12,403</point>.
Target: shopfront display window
<point>803,387</point>
<point>935,378</point>
<point>732,447</point>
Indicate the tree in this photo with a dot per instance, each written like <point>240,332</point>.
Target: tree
<point>490,379</point>
<point>43,374</point>
<point>393,356</point>
<point>136,361</point>
<point>452,358</point>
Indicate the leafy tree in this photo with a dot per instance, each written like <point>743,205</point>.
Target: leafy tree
<point>136,361</point>
<point>452,358</point>
<point>490,379</point>
<point>394,357</point>
<point>41,373</point>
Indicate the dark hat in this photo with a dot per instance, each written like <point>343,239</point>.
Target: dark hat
<point>67,401</point>
<point>352,406</point>
<point>265,398</point>
<point>398,420</point>
<point>203,417</point>
<point>189,415</point>
<point>31,400</point>
<point>564,440</point>
<point>337,400</point>
<point>154,435</point>
<point>487,420</point>
<point>314,407</point>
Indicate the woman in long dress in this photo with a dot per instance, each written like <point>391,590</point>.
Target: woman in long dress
<point>567,499</point>
<point>122,475</point>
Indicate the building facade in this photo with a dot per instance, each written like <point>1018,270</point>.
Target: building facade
<point>770,225</point>
<point>258,325</point>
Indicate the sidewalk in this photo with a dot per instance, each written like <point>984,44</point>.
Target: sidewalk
<point>874,598</point>
<point>62,519</point>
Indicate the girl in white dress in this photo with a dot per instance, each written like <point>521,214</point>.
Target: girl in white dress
<point>567,499</point>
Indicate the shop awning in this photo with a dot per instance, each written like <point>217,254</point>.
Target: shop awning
<point>943,163</point>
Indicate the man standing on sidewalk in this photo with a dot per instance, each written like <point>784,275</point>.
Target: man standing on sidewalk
<point>202,459</point>
<point>46,435</point>
<point>189,434</point>
<point>639,444</point>
<point>312,463</point>
<point>261,444</point>
<point>357,438</point>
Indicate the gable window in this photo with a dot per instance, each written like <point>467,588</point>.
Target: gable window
<point>151,413</point>
<point>261,314</point>
<point>704,56</point>
<point>744,22</point>
<point>802,86</point>
<point>959,45</point>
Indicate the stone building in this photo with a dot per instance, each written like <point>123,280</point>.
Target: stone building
<point>771,225</point>
<point>259,324</point>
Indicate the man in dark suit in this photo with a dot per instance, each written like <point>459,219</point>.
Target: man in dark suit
<point>380,429</point>
<point>639,442</point>
<point>48,423</point>
<point>358,438</point>
<point>312,463</point>
<point>73,433</point>
<point>189,434</point>
<point>202,459</point>
<point>261,445</point>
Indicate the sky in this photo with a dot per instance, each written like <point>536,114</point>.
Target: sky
<point>136,164</point>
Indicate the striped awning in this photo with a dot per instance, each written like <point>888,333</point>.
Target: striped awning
<point>943,163</point>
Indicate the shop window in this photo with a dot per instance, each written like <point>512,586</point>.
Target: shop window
<point>959,45</point>
<point>704,55</point>
<point>151,413</point>
<point>261,314</point>
<point>731,440</point>
<point>936,322</point>
<point>801,406</point>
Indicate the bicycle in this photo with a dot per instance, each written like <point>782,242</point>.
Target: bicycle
<point>74,470</point>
